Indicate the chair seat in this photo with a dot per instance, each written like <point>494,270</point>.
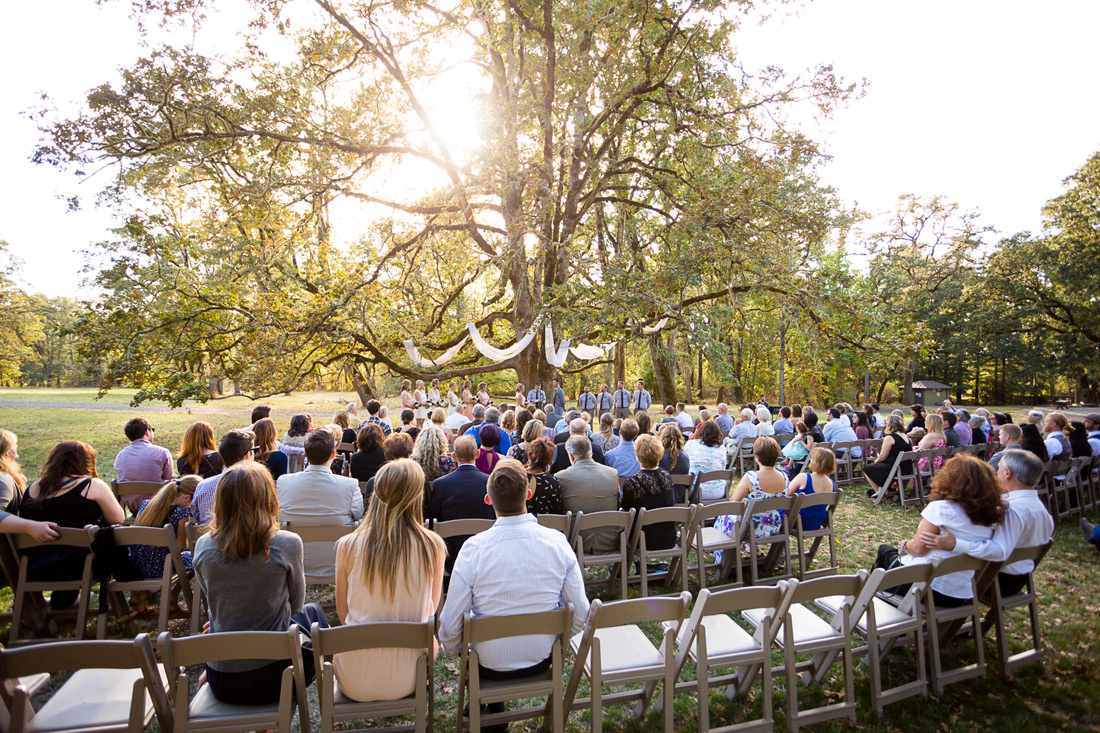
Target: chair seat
<point>340,699</point>
<point>808,626</point>
<point>92,698</point>
<point>886,614</point>
<point>621,647</point>
<point>711,537</point>
<point>724,637</point>
<point>205,705</point>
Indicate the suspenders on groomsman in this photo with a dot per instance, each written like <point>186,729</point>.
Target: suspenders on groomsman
<point>622,403</point>
<point>604,401</point>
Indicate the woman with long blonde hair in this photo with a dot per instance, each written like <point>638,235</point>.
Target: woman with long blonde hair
<point>267,448</point>
<point>252,575</point>
<point>12,485</point>
<point>170,505</point>
<point>389,569</point>
<point>198,452</point>
<point>430,451</point>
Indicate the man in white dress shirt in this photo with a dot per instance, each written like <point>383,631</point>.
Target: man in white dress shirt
<point>1026,523</point>
<point>683,419</point>
<point>315,496</point>
<point>642,398</point>
<point>516,566</point>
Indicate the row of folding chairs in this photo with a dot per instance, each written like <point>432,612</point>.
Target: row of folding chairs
<point>909,480</point>
<point>729,636</point>
<point>1071,487</point>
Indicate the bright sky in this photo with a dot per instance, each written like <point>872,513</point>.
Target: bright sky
<point>990,103</point>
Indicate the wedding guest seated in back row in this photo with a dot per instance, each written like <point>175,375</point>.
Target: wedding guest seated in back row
<point>706,453</point>
<point>251,575</point>
<point>588,487</point>
<point>763,483</point>
<point>374,408</point>
<point>13,482</point>
<point>198,452</point>
<point>68,493</point>
<point>389,569</point>
<point>234,447</point>
<point>141,460</point>
<point>170,505</point>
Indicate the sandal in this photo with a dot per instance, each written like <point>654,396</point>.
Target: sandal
<point>137,613</point>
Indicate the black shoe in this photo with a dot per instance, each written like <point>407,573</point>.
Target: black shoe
<point>1089,530</point>
<point>657,567</point>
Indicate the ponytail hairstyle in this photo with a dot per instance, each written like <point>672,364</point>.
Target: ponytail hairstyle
<point>159,508</point>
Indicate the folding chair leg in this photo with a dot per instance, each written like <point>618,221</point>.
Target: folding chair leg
<point>703,693</point>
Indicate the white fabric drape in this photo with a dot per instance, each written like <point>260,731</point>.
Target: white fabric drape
<point>587,352</point>
<point>495,354</point>
<point>557,356</point>
<point>425,363</point>
<point>657,327</point>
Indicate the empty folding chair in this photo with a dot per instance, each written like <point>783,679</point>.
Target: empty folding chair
<point>681,519</point>
<point>618,558</point>
<point>1000,604</point>
<point>776,563</point>
<point>814,537</point>
<point>714,641</point>
<point>944,622</point>
<point>546,684</point>
<point>204,712</point>
<point>115,686</point>
<point>706,540</point>
<point>883,624</point>
<point>173,572</point>
<point>77,539</point>
<point>804,632</point>
<point>336,707</point>
<point>613,651</point>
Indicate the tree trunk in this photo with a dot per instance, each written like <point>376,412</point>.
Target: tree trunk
<point>362,385</point>
<point>619,371</point>
<point>782,361</point>
<point>700,375</point>
<point>663,367</point>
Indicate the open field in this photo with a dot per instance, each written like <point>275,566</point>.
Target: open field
<point>1062,694</point>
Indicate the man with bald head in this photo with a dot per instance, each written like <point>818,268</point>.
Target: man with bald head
<point>461,493</point>
<point>577,428</point>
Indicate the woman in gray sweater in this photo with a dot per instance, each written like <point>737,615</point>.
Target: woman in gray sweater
<point>252,576</point>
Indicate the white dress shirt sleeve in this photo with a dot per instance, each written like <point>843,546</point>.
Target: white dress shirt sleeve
<point>460,600</point>
<point>573,592</point>
<point>998,547</point>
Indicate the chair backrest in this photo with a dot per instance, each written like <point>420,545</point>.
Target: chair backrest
<point>703,512</point>
<point>194,531</point>
<point>67,537</point>
<point>130,488</point>
<point>848,586</point>
<point>561,522</point>
<point>958,564</point>
<point>346,447</point>
<point>602,520</point>
<point>717,475</point>
<point>1034,554</point>
<point>638,610</point>
<point>824,498</point>
<point>680,514</point>
<point>489,628</point>
<point>65,656</point>
<point>776,503</point>
<point>713,603</point>
<point>153,536</point>
<point>319,532</point>
<point>461,527</point>
<point>375,635</point>
<point>177,653</point>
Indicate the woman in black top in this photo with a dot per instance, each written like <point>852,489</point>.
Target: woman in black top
<point>366,461</point>
<point>918,418</point>
<point>651,488</point>
<point>199,453</point>
<point>1079,440</point>
<point>894,443</point>
<point>546,491</point>
<point>1031,439</point>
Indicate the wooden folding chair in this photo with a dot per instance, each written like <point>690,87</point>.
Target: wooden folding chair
<point>194,532</point>
<point>804,467</point>
<point>115,686</point>
<point>613,651</point>
<point>677,555</point>
<point>619,520</point>
<point>127,489</point>
<point>1054,478</point>
<point>745,457</point>
<point>764,567</point>
<point>546,684</point>
<point>36,610</point>
<point>804,632</point>
<point>706,539</point>
<point>843,465</point>
<point>561,522</point>
<point>336,707</point>
<point>884,624</point>
<point>204,712</point>
<point>683,485</point>
<point>825,532</point>
<point>25,589</point>
<point>706,476</point>
<point>172,571</point>
<point>908,481</point>
<point>944,623</point>
<point>999,605</point>
<point>714,641</point>
<point>326,535</point>
<point>295,463</point>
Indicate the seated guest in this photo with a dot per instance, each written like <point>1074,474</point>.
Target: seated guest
<point>651,488</point>
<point>1026,522</point>
<point>764,422</point>
<point>478,418</point>
<point>622,458</point>
<point>339,463</point>
<point>487,455</point>
<point>1078,440</point>
<point>966,501</point>
<point>784,426</point>
<point>862,425</point>
<point>234,447</point>
<point>317,496</point>
<point>1092,425</point>
<point>389,569</point>
<point>454,423</point>
<point>561,456</point>
<point>366,461</point>
<point>811,419</point>
<point>562,435</point>
<point>645,423</point>
<point>460,494</point>
<point>508,423</point>
<point>522,419</point>
<point>706,453</point>
<point>950,420</point>
<point>515,553</point>
<point>267,448</point>
<point>408,425</point>
<point>251,574</point>
<point>532,431</point>
<point>300,427</point>
<point>347,433</point>
<point>545,489</point>
<point>743,427</point>
<point>674,460</point>
<point>763,483</point>
<point>819,479</point>
<point>894,443</point>
<point>68,493</point>
<point>838,429</point>
<point>12,484</point>
<point>492,417</point>
<point>1057,445</point>
<point>374,408</point>
<point>977,429</point>
<point>934,439</point>
<point>610,436</point>
<point>588,487</point>
<point>918,418</point>
<point>962,427</point>
<point>725,422</point>
<point>141,460</point>
<point>397,445</point>
<point>439,421</point>
<point>259,412</point>
<point>199,453</point>
<point>670,415</point>
<point>1032,440</point>
<point>683,419</point>
<point>1010,440</point>
<point>430,451</point>
<point>170,505</point>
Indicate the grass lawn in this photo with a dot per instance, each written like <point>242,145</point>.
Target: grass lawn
<point>1063,693</point>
